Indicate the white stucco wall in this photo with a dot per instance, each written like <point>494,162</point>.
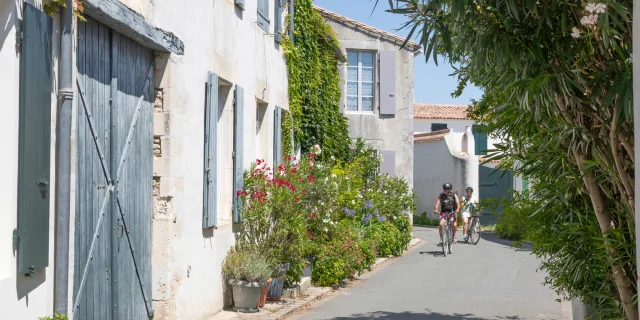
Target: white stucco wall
<point>424,125</point>
<point>20,297</point>
<point>436,164</point>
<point>218,37</point>
<point>384,132</point>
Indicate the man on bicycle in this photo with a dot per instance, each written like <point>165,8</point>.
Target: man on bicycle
<point>449,204</point>
<point>468,205</point>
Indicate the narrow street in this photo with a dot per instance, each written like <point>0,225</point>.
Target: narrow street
<point>488,281</point>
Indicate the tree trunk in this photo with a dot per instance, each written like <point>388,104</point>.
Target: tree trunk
<point>625,288</point>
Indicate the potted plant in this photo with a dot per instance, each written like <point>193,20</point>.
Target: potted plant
<point>277,285</point>
<point>247,272</point>
<point>263,293</point>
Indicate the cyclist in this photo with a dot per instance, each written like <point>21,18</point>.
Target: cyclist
<point>448,203</point>
<point>468,205</point>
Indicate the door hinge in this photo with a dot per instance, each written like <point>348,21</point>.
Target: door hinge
<point>18,36</point>
<point>16,237</point>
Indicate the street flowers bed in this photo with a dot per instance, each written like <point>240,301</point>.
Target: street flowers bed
<point>339,214</point>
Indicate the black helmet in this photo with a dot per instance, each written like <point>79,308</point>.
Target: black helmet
<point>469,188</point>
<point>447,186</point>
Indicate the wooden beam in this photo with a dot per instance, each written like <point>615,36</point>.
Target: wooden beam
<point>123,19</point>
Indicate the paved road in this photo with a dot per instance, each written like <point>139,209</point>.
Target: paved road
<point>486,281</point>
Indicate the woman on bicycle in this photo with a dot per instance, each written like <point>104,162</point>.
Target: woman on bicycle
<point>468,205</point>
<point>448,203</point>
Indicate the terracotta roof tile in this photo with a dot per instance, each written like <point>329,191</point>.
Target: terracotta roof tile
<point>384,34</point>
<point>440,111</point>
<point>423,137</point>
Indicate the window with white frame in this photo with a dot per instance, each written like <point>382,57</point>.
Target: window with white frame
<point>360,80</point>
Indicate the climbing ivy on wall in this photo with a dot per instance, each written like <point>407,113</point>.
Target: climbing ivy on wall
<point>314,86</point>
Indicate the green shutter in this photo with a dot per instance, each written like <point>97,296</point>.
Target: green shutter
<point>210,211</point>
<point>238,145</point>
<point>34,189</point>
<point>480,137</point>
<point>278,23</point>
<point>277,136</point>
<point>263,15</point>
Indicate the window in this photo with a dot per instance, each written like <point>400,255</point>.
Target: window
<point>438,126</point>
<point>360,81</point>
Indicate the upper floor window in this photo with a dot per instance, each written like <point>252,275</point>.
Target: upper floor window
<point>438,126</point>
<point>360,81</point>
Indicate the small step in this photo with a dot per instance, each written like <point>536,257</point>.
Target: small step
<point>298,289</point>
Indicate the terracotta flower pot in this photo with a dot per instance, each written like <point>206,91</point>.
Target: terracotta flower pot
<point>263,294</point>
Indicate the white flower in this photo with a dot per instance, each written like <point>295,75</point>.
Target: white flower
<point>325,220</point>
<point>575,32</point>
<point>353,202</point>
<point>589,20</point>
<point>326,229</point>
<point>600,8</point>
<point>591,7</point>
<point>385,192</point>
<point>333,175</point>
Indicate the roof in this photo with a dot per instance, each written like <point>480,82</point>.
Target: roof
<point>423,137</point>
<point>412,46</point>
<point>440,111</point>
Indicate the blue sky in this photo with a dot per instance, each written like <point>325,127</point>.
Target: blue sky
<point>432,83</point>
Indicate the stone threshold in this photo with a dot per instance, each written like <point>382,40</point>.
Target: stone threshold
<point>301,298</point>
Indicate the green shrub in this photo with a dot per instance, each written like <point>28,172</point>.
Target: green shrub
<point>513,221</point>
<point>56,316</point>
<point>423,220</point>
<point>245,264</point>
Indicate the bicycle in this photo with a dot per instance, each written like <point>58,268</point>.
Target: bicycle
<point>473,231</point>
<point>447,233</point>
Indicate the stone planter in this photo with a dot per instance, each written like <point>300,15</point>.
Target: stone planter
<point>263,294</point>
<point>277,285</point>
<point>246,295</point>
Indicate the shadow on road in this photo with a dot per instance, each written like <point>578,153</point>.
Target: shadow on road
<point>434,253</point>
<point>408,315</point>
<point>491,237</point>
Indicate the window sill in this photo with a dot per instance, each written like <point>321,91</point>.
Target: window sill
<point>370,113</point>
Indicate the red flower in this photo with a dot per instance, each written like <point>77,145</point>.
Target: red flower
<point>311,179</point>
<point>238,193</point>
<point>313,215</point>
<point>297,199</point>
<point>280,168</point>
<point>293,170</point>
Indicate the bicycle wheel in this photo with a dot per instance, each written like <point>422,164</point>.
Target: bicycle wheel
<point>445,240</point>
<point>450,239</point>
<point>475,231</point>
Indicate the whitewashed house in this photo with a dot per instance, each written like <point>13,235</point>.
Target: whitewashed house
<point>441,156</point>
<point>378,90</point>
<point>125,137</point>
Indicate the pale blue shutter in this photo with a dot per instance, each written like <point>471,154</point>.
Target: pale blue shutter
<point>240,4</point>
<point>263,15</point>
<point>238,145</point>
<point>277,136</point>
<point>210,212</point>
<point>388,82</point>
<point>388,164</point>
<point>278,23</point>
<point>36,73</point>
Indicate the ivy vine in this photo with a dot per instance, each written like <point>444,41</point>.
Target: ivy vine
<point>314,86</point>
<point>51,6</point>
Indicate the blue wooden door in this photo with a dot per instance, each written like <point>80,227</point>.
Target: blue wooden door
<point>495,184</point>
<point>114,205</point>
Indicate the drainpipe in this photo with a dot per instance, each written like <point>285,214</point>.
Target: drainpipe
<point>63,162</point>
<point>636,115</point>
<point>291,10</point>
